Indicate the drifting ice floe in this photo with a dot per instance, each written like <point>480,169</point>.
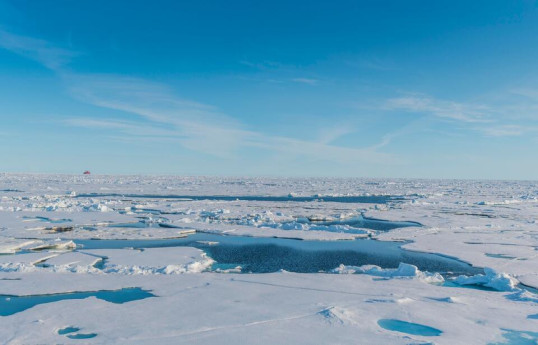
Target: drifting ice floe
<point>490,278</point>
<point>403,270</point>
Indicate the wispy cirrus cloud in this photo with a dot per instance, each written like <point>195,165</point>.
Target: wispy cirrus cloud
<point>502,116</point>
<point>151,100</point>
<point>155,112</point>
<point>263,65</point>
<point>526,92</point>
<point>508,130</point>
<point>275,72</point>
<point>196,126</point>
<point>420,103</point>
<point>35,49</point>
<point>331,134</point>
<point>309,81</point>
<point>122,126</point>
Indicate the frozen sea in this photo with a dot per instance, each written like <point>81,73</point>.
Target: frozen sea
<point>208,260</point>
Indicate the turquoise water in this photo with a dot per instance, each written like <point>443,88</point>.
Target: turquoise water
<point>81,336</point>
<point>365,223</point>
<point>449,283</point>
<point>68,330</point>
<point>11,304</point>
<point>357,223</point>
<point>264,255</point>
<point>409,328</point>
<point>48,220</point>
<point>500,256</point>
<point>514,337</point>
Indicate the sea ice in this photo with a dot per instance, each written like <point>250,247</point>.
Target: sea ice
<point>491,279</point>
<point>488,224</point>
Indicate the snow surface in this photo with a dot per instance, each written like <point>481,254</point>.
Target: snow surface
<point>489,224</point>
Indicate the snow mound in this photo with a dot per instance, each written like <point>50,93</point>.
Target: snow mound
<point>522,295</point>
<point>97,207</point>
<point>56,245</point>
<point>491,278</point>
<point>17,267</point>
<point>338,316</point>
<point>403,270</point>
<point>192,267</point>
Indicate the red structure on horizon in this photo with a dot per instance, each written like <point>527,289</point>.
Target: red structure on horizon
<point>87,172</point>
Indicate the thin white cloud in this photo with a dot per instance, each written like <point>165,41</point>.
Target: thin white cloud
<point>126,127</point>
<point>502,117</point>
<point>331,134</point>
<point>153,101</point>
<point>526,92</point>
<point>35,49</point>
<point>508,130</point>
<point>372,63</point>
<point>347,155</point>
<point>308,81</point>
<point>503,131</point>
<point>264,65</point>
<point>166,116</point>
<point>196,126</point>
<point>440,108</point>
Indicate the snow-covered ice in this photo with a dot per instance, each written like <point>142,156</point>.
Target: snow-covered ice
<point>491,225</point>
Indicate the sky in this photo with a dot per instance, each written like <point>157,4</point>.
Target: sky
<point>426,89</point>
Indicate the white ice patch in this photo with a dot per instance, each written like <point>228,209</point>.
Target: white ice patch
<point>523,296</point>
<point>12,245</point>
<point>57,245</point>
<point>154,260</point>
<point>97,208</point>
<point>403,270</point>
<point>492,279</point>
<point>114,261</point>
<point>338,316</point>
<point>192,267</point>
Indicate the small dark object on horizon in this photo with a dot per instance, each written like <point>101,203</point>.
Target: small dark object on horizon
<point>87,172</point>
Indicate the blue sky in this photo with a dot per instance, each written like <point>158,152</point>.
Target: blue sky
<point>435,89</point>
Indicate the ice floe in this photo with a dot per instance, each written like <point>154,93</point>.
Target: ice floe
<point>499,281</point>
<point>403,271</point>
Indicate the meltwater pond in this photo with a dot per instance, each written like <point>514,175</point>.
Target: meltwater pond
<point>360,223</point>
<point>354,224</point>
<point>11,304</point>
<point>409,327</point>
<point>265,255</point>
